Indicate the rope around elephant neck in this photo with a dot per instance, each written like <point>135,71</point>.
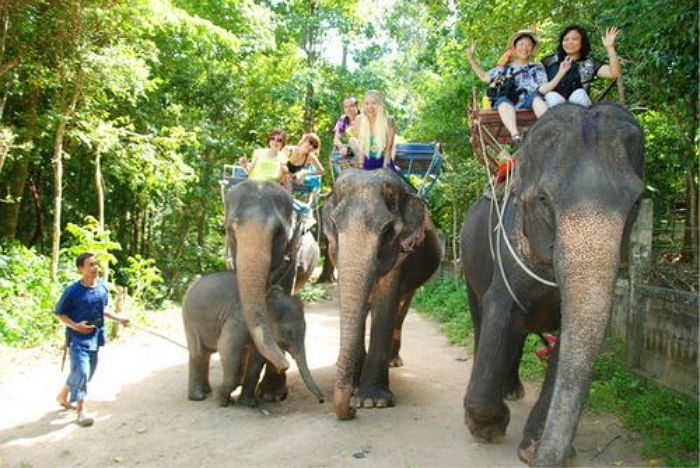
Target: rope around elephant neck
<point>500,212</point>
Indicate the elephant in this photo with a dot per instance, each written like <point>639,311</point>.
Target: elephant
<point>263,238</point>
<point>213,320</point>
<point>554,240</point>
<point>384,245</point>
<point>306,259</point>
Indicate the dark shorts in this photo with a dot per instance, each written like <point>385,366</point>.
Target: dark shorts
<point>525,103</point>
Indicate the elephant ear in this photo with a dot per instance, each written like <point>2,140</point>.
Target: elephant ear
<point>414,216</point>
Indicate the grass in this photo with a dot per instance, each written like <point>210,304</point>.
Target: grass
<point>316,292</point>
<point>666,421</point>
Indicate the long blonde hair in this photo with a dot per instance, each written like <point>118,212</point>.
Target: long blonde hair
<point>381,125</point>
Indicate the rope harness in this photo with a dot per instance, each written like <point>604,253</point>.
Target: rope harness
<point>500,231</point>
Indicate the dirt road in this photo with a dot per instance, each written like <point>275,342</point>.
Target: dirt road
<point>143,418</point>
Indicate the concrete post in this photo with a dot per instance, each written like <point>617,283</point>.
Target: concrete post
<point>639,268</point>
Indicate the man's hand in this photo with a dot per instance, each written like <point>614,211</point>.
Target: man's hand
<point>84,327</point>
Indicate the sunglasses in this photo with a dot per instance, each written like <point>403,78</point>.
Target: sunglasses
<point>276,138</point>
<point>314,144</point>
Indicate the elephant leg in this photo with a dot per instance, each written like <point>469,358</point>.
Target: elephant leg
<point>198,376</point>
<point>251,377</point>
<point>513,388</point>
<point>475,312</point>
<point>534,426</point>
<point>273,386</point>
<point>231,347</point>
<point>396,360</point>
<point>374,380</point>
<point>486,414</point>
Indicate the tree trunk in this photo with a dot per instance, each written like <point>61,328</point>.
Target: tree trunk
<point>58,175</point>
<point>9,212</point>
<point>37,237</point>
<point>328,272</point>
<point>68,111</point>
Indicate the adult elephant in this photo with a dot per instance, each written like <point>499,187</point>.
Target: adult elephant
<point>262,239</point>
<point>554,258</point>
<point>384,245</point>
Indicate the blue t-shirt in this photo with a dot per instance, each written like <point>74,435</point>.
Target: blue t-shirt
<point>84,303</point>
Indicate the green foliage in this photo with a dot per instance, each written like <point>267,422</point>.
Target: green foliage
<point>142,278</point>
<point>91,238</point>
<point>27,296</point>
<point>316,292</point>
<point>446,302</point>
<point>666,420</point>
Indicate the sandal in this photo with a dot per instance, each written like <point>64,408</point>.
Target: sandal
<point>64,404</point>
<point>85,421</point>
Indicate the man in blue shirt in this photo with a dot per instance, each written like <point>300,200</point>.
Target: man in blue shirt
<point>82,308</point>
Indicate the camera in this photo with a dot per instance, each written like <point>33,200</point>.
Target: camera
<point>97,322</point>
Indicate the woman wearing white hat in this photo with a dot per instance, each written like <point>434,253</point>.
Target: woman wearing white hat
<point>527,76</point>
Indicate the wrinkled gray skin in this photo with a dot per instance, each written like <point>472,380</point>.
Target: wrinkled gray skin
<point>214,322</point>
<point>576,187</point>
<point>384,246</point>
<point>262,240</point>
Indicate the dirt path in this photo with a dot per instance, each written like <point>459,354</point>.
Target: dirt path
<point>144,419</point>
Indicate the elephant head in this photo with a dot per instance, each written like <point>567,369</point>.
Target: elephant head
<point>262,242</point>
<point>372,221</point>
<point>579,179</point>
<point>290,332</point>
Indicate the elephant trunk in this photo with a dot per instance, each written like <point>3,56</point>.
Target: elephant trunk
<point>300,357</point>
<point>587,253</point>
<point>355,275</point>
<point>253,267</point>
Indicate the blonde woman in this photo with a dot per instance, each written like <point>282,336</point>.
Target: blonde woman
<point>374,144</point>
<point>300,157</point>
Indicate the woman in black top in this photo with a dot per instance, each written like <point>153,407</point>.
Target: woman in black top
<point>302,160</point>
<point>571,69</point>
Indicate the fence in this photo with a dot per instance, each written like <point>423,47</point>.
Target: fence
<point>659,325</point>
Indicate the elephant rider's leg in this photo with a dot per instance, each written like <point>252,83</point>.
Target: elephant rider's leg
<point>198,375</point>
<point>486,414</point>
<point>396,360</point>
<point>538,415</point>
<point>231,344</point>
<point>273,386</point>
<point>513,388</point>
<point>374,380</point>
<point>251,377</point>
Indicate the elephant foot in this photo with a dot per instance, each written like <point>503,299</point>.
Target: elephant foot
<point>341,402</point>
<point>374,398</point>
<point>198,393</point>
<point>488,427</point>
<point>248,400</point>
<point>273,387</point>
<point>517,392</point>
<point>223,398</point>
<point>527,451</point>
<point>396,361</point>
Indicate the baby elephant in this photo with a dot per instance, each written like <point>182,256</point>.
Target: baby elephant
<point>213,321</point>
